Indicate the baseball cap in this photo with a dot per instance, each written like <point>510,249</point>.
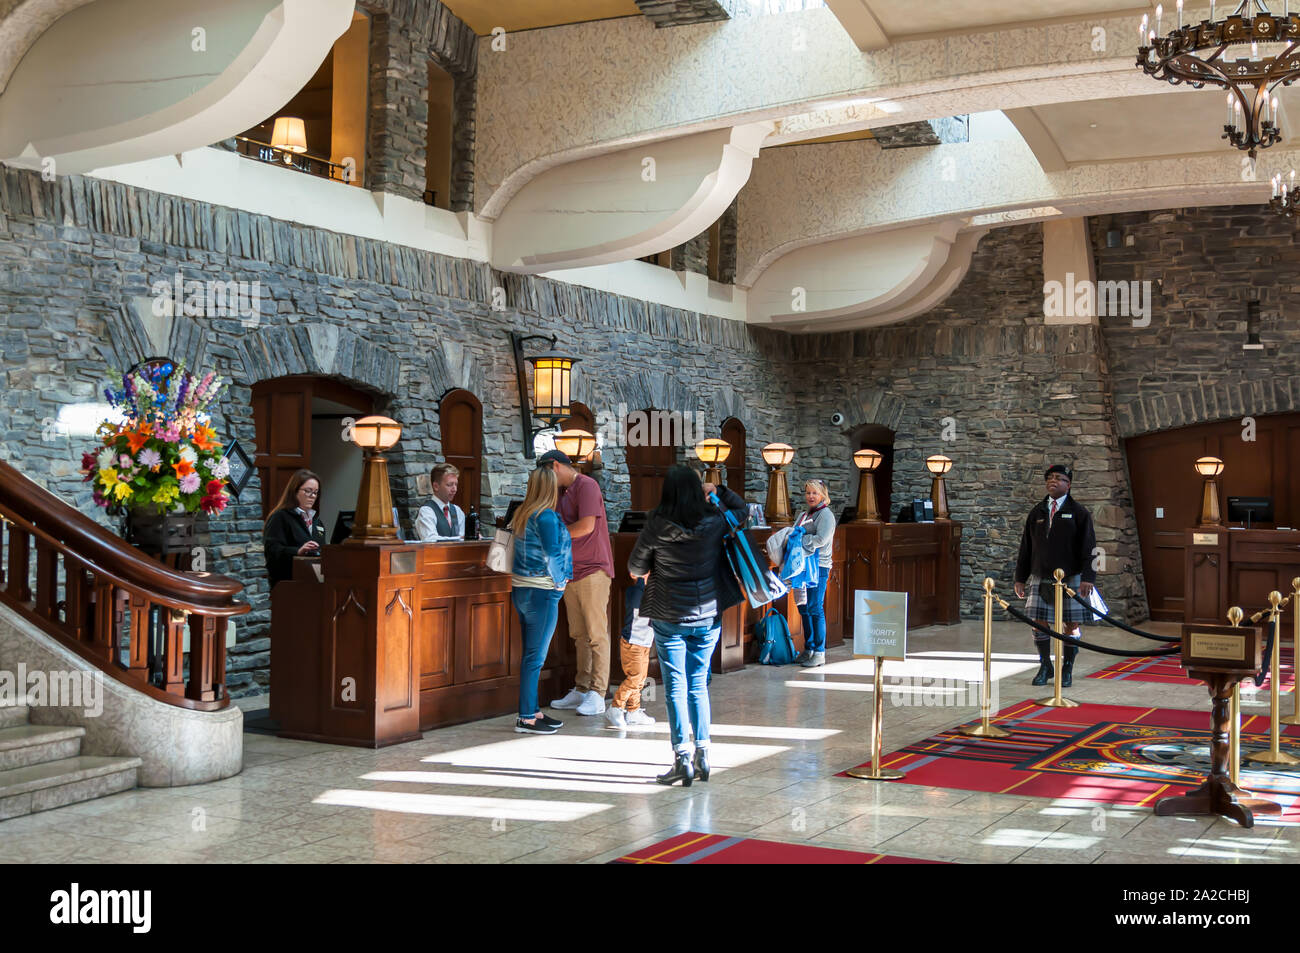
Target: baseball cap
<point>554,456</point>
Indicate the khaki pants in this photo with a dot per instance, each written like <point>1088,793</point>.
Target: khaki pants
<point>636,663</point>
<point>586,602</point>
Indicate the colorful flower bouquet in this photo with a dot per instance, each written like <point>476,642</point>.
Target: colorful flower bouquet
<point>163,456</point>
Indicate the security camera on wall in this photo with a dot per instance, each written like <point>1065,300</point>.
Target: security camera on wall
<point>837,420</point>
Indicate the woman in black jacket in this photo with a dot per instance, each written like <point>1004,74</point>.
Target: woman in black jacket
<point>689,586</point>
<point>294,527</point>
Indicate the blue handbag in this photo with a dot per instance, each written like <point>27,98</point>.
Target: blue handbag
<point>776,645</point>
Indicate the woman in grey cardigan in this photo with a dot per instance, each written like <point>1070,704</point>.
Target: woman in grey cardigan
<point>819,537</point>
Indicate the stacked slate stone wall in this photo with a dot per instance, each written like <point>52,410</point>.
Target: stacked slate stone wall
<point>1187,365</point>
<point>404,36</point>
<point>975,379</point>
<point>78,259</point>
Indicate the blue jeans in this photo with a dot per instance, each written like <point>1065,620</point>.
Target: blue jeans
<point>684,654</point>
<point>538,609</point>
<point>813,614</point>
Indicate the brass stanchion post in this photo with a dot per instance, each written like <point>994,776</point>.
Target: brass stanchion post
<point>1294,717</point>
<point>1056,701</point>
<point>877,740</point>
<point>985,729</point>
<point>1235,616</point>
<point>1274,754</point>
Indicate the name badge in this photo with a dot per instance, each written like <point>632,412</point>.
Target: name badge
<point>1067,516</point>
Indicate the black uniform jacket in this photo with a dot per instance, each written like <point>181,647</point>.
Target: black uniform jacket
<point>1068,546</point>
<point>284,535</point>
<point>690,580</point>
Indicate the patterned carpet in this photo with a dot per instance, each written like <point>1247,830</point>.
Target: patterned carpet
<point>1110,753</point>
<point>696,848</point>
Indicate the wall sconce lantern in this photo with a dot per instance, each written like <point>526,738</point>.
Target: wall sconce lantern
<point>713,452</point>
<point>374,520</point>
<point>777,511</point>
<point>289,136</point>
<point>577,445</point>
<point>552,377</point>
<point>1210,468</point>
<point>938,465</point>
<point>867,462</point>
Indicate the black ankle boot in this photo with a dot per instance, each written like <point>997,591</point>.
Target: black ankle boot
<point>702,763</point>
<point>1045,671</point>
<point>682,770</point>
<point>1067,666</point>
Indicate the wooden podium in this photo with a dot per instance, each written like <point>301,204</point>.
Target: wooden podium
<point>1236,567</point>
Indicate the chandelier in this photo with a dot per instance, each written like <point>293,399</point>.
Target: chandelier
<point>1194,54</point>
<point>1286,195</point>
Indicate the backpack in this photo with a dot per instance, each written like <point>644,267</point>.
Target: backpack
<point>776,647</point>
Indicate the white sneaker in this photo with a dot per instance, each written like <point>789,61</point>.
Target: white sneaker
<point>592,704</point>
<point>571,700</point>
<point>616,718</point>
<point>638,717</point>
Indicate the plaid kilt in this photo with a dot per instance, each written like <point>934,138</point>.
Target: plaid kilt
<point>1040,602</point>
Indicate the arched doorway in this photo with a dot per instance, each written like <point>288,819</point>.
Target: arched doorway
<point>733,431</point>
<point>650,452</point>
<point>300,422</point>
<point>460,416</point>
<point>880,439</point>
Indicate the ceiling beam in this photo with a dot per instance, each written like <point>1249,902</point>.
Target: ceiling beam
<point>860,23</point>
<point>1040,141</point>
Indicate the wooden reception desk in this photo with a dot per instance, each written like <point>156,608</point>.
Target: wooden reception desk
<point>371,645</point>
<point>1236,567</point>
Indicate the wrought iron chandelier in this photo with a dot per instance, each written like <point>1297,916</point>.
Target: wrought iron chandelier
<point>1194,54</point>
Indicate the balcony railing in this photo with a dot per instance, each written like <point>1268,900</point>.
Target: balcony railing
<point>300,161</point>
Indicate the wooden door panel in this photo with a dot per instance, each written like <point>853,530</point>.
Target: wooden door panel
<point>437,641</point>
<point>400,653</point>
<point>484,651</point>
<point>460,418</point>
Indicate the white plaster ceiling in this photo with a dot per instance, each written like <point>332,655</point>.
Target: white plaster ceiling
<point>1186,122</point>
<point>908,18</point>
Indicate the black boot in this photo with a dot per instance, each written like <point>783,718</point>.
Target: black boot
<point>682,771</point>
<point>1045,671</point>
<point>702,763</point>
<point>1067,665</point>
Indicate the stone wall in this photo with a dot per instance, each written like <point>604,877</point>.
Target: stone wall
<point>975,379</point>
<point>404,36</point>
<point>665,13</point>
<point>78,258</point>
<point>1202,266</point>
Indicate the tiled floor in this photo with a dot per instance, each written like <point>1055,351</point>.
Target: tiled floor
<point>480,793</point>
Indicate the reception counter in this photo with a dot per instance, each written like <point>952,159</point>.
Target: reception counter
<point>1237,567</point>
<point>372,645</point>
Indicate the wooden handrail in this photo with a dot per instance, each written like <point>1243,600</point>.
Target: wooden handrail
<point>113,598</point>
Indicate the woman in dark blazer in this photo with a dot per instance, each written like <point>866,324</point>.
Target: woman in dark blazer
<point>689,587</point>
<point>294,527</point>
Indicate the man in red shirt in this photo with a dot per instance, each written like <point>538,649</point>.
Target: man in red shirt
<point>586,597</point>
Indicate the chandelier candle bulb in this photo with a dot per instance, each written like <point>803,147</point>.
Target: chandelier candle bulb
<point>1160,12</point>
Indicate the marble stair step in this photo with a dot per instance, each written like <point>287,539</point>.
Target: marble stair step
<point>40,787</point>
<point>23,745</point>
<point>12,715</point>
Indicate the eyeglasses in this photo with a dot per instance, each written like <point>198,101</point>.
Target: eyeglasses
<point>310,492</point>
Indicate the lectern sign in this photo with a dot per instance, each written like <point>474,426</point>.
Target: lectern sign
<point>880,624</point>
<point>1222,648</point>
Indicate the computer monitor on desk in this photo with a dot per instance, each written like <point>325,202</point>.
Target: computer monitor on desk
<point>1250,509</point>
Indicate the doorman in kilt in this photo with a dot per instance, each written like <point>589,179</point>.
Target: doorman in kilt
<point>1058,535</point>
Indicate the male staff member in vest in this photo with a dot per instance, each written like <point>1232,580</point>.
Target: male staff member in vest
<point>441,518</point>
<point>1058,535</point>
<point>586,597</point>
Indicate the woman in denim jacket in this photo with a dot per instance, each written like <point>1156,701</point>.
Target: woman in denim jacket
<point>543,565</point>
<point>818,543</point>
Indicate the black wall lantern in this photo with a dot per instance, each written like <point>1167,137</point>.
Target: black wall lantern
<point>552,377</point>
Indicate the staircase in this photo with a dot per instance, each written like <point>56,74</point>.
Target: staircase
<point>42,767</point>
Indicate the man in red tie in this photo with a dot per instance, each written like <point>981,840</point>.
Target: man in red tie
<point>1058,535</point>
<point>440,518</point>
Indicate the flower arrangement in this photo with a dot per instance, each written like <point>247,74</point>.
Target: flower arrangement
<point>164,454</point>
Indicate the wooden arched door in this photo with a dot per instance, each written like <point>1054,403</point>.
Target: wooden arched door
<point>460,416</point>
<point>733,431</point>
<point>647,461</point>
